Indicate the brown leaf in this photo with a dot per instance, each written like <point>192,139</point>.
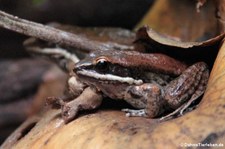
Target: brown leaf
<point>148,40</point>
<point>181,19</point>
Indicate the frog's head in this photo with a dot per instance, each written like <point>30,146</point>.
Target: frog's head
<point>106,67</point>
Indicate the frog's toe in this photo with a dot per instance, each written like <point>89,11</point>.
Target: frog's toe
<point>68,113</point>
<point>135,113</point>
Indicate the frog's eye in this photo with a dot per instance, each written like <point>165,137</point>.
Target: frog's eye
<point>102,64</point>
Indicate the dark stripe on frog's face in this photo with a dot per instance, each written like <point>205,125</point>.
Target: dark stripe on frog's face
<point>102,70</point>
<point>102,66</point>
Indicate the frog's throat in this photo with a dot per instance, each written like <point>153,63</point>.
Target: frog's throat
<point>109,77</point>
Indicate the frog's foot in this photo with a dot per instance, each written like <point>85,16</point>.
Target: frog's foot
<point>184,108</point>
<point>173,114</point>
<point>69,111</point>
<point>57,102</point>
<point>135,113</point>
<point>88,100</point>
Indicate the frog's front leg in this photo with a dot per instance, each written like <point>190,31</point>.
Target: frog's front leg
<point>89,99</point>
<point>74,89</point>
<point>178,94</point>
<point>80,98</point>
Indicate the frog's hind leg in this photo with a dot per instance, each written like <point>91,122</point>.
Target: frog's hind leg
<point>199,82</point>
<point>199,91</point>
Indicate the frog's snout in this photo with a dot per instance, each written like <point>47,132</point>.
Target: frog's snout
<point>81,66</point>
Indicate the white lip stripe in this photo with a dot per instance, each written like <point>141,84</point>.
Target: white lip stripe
<point>109,77</point>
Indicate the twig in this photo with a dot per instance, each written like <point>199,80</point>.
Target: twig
<point>48,33</point>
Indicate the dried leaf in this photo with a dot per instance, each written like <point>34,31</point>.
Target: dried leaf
<point>180,19</point>
<point>148,40</point>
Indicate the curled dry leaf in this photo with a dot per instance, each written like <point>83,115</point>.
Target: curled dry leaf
<point>181,19</point>
<point>148,40</point>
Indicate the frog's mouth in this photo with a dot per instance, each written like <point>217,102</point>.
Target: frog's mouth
<point>107,77</point>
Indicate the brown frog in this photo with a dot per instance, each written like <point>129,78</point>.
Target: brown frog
<point>151,83</point>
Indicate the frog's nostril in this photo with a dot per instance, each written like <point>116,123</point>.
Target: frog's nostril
<point>76,68</point>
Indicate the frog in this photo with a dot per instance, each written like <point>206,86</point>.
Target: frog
<point>152,83</point>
